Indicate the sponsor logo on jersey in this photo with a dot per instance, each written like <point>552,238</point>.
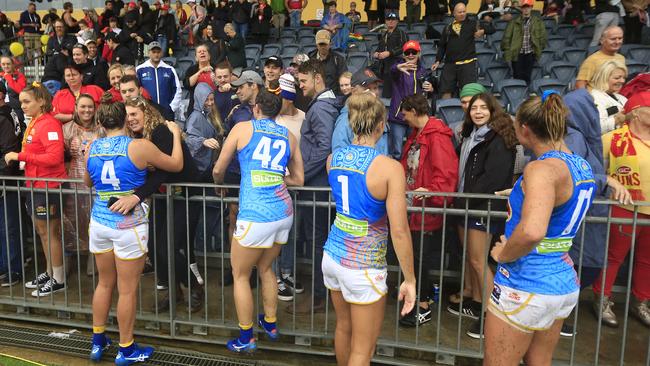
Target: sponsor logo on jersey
<point>514,296</point>
<point>504,272</point>
<point>262,178</point>
<point>351,226</point>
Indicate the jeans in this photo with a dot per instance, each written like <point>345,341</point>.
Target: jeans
<point>396,139</point>
<point>241,29</point>
<point>162,39</point>
<point>9,229</point>
<point>603,20</point>
<point>294,19</point>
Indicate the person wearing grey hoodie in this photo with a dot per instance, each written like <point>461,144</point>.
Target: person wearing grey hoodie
<point>204,131</point>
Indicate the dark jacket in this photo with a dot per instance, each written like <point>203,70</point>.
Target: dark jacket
<point>435,7</point>
<point>27,18</point>
<point>453,47</point>
<point>261,25</point>
<point>148,21</point>
<point>584,139</point>
<point>55,67</point>
<point>166,25</point>
<point>95,74</point>
<point>123,55</point>
<point>220,17</point>
<point>235,51</point>
<point>239,113</point>
<point>489,168</point>
<point>334,65</point>
<point>316,136</point>
<point>513,38</point>
<point>54,44</point>
<point>136,48</point>
<point>403,86</point>
<point>240,12</point>
<point>603,6</point>
<point>10,134</point>
<point>381,5</point>
<point>217,49</point>
<point>437,170</point>
<point>391,42</point>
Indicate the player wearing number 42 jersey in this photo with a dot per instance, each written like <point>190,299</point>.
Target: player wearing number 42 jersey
<point>270,160</point>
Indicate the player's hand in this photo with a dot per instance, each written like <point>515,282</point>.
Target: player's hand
<point>125,204</point>
<point>407,294</point>
<point>498,248</point>
<point>505,192</point>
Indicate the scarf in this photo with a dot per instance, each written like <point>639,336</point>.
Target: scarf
<point>624,163</point>
<point>476,137</point>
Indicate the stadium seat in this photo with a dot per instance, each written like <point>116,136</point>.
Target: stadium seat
<point>286,60</point>
<point>414,35</point>
<point>564,30</point>
<point>252,62</point>
<point>635,67</point>
<point>358,46</point>
<point>307,32</point>
<point>403,26</point>
<point>539,86</point>
<point>574,55</point>
<point>419,27</point>
<point>639,53</point>
<point>562,71</point>
<point>308,49</point>
<point>496,36</point>
<point>450,110</point>
<point>357,61</point>
<point>290,49</point>
<point>497,71</point>
<point>593,49</point>
<point>581,41</point>
<point>427,45</point>
<point>556,42</point>
<point>287,40</point>
<point>182,64</point>
<point>170,60</point>
<point>513,92</point>
<point>485,57</point>
<point>439,26</point>
<point>586,29</point>
<point>537,73</point>
<point>550,24</point>
<point>361,28</point>
<point>252,50</point>
<point>306,40</point>
<point>271,49</point>
<point>287,31</point>
<point>428,58</point>
<point>548,56</point>
<point>487,84</point>
<point>500,24</point>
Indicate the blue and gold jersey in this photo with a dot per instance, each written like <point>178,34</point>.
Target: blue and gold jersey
<point>263,195</point>
<point>114,175</point>
<point>359,234</point>
<point>548,269</point>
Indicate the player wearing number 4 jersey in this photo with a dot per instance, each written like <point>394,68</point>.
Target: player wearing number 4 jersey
<point>368,193</point>
<point>536,287</point>
<point>116,165</point>
<point>266,151</point>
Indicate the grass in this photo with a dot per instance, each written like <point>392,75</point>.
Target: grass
<point>7,360</point>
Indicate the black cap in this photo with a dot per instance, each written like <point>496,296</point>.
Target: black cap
<point>275,60</point>
<point>364,77</point>
<point>392,16</point>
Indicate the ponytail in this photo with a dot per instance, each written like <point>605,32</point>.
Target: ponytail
<point>545,116</point>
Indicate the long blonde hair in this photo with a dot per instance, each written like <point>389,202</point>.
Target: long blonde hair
<point>600,80</point>
<point>152,118</point>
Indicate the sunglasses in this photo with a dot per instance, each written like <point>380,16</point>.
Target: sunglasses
<point>410,53</point>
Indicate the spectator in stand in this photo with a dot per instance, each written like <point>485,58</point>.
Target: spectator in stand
<point>608,14</point>
<point>147,20</point>
<point>42,155</point>
<point>201,72</point>
<point>413,11</point>
<point>458,51</point>
<point>197,15</point>
<point>216,46</point>
<point>627,152</point>
<point>240,11</point>
<point>279,15</point>
<point>389,51</point>
<point>345,85</point>
<point>406,78</point>
<point>301,101</point>
<point>133,37</point>
<point>635,18</point>
<point>161,81</point>
<point>333,63</point>
<point>209,6</point>
<point>48,20</point>
<point>115,73</point>
<point>523,42</point>
<point>107,14</point>
<point>220,18</point>
<point>13,80</point>
<point>260,21</point>
<point>273,67</point>
<point>605,86</point>
<point>93,53</point>
<point>63,103</point>
<point>85,33</point>
<point>120,54</point>
<point>165,29</point>
<point>295,8</point>
<point>56,42</point>
<point>78,135</point>
<point>30,22</point>
<point>10,244</point>
<point>223,94</point>
<point>54,69</point>
<point>363,81</point>
<point>486,164</point>
<point>372,9</point>
<point>431,165</point>
<point>315,146</point>
<point>235,47</point>
<point>181,16</point>
<point>71,24</point>
<point>338,25</point>
<point>114,25</point>
<point>610,42</point>
<point>92,74</point>
<point>353,15</point>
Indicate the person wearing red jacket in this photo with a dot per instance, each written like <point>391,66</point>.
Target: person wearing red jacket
<point>42,157</point>
<point>65,99</point>
<point>431,165</point>
<point>14,79</point>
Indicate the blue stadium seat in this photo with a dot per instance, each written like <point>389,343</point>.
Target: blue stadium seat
<point>639,53</point>
<point>550,24</point>
<point>513,92</point>
<point>306,49</point>
<point>359,46</point>
<point>419,27</point>
<point>574,55</point>
<point>287,40</point>
<point>290,49</point>
<point>271,49</point>
<point>562,71</point>
<point>497,71</point>
<point>357,61</point>
<point>428,58</point>
<point>361,28</point>
<point>307,40</point>
<point>182,64</point>
<point>288,31</point>
<point>485,57</point>
<point>537,73</point>
<point>539,86</point>
<point>252,62</point>
<point>500,24</point>
<point>427,45</point>
<point>586,29</point>
<point>556,42</point>
<point>450,110</point>
<point>635,67</point>
<point>548,56</point>
<point>286,60</point>
<point>170,60</point>
<point>439,26</point>
<point>496,36</point>
<point>581,41</point>
<point>252,50</point>
<point>593,49</point>
<point>414,35</point>
<point>564,30</point>
<point>499,85</point>
<point>306,32</point>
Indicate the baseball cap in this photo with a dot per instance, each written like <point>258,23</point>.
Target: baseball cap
<point>154,44</point>
<point>392,16</point>
<point>89,41</point>
<point>364,77</point>
<point>637,100</point>
<point>323,36</point>
<point>275,60</point>
<point>526,3</point>
<point>411,45</point>
<point>248,76</point>
<point>287,87</point>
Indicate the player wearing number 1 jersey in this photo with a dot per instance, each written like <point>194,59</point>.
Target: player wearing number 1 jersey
<point>116,165</point>
<point>270,160</point>
<point>536,287</point>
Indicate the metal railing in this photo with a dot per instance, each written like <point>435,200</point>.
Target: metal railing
<point>441,340</point>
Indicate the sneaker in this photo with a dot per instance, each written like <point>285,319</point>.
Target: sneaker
<point>9,280</point>
<point>161,286</point>
<point>567,330</point>
<point>148,267</point>
<point>608,316</point>
<point>474,330</point>
<point>98,350</point>
<point>471,309</point>
<point>641,310</point>
<point>412,319</point>
<point>140,354</point>
<point>39,281</point>
<point>296,287</point>
<point>196,299</point>
<point>284,293</point>
<point>273,335</point>
<point>235,345</point>
<point>195,271</point>
<point>49,288</point>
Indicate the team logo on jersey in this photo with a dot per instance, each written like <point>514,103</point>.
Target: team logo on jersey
<point>504,272</point>
<point>496,294</point>
<point>514,296</point>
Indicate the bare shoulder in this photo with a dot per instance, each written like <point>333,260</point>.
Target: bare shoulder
<point>387,167</point>
<point>550,171</point>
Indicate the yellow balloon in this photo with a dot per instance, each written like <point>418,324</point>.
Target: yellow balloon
<point>16,49</point>
<point>44,48</point>
<point>45,38</point>
<point>170,52</point>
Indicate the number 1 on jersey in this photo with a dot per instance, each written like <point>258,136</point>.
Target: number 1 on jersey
<point>343,179</point>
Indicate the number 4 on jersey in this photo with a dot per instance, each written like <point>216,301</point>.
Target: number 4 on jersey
<point>108,175</point>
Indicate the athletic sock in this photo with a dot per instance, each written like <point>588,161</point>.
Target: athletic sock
<point>268,323</point>
<point>99,337</point>
<point>245,333</point>
<point>58,274</point>
<point>127,348</point>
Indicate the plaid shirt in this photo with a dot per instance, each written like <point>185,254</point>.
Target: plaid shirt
<point>526,46</point>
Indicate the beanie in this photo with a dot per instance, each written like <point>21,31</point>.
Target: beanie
<point>288,87</point>
<point>472,89</point>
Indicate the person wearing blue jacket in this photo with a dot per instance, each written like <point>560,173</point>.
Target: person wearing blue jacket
<point>204,130</point>
<point>160,80</point>
<point>363,81</point>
